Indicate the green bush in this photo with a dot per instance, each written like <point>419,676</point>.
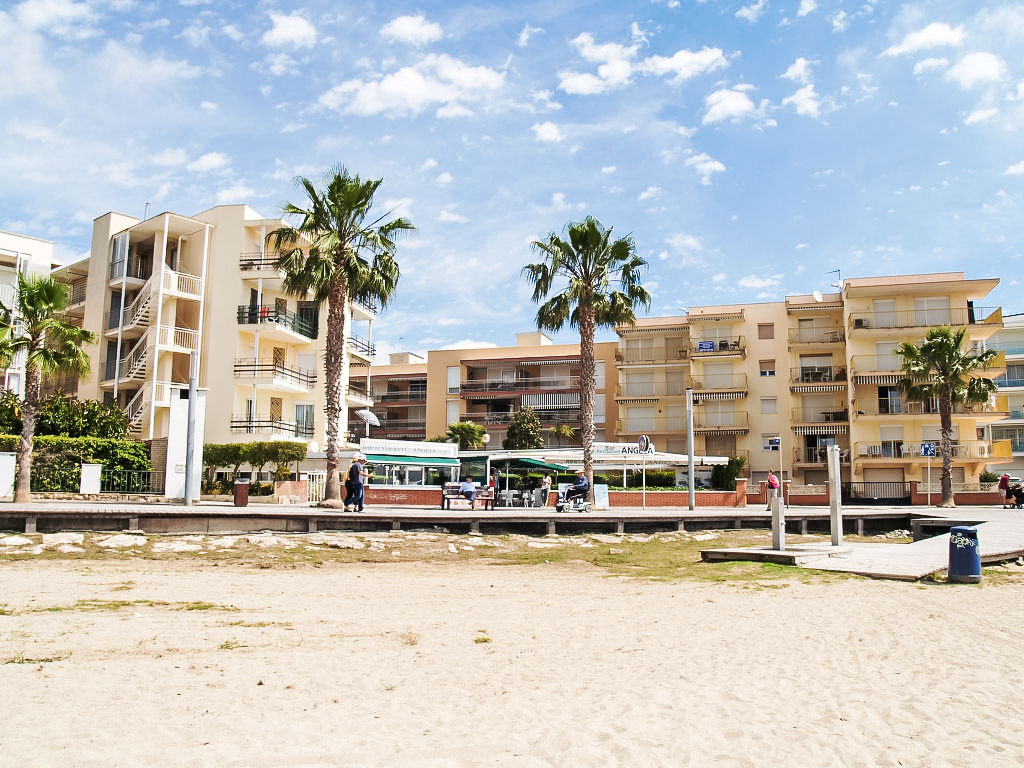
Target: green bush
<point>723,476</point>
<point>65,416</point>
<point>57,461</point>
<point>988,477</point>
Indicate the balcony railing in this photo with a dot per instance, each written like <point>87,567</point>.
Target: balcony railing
<point>357,388</point>
<point>253,368</point>
<point>259,314</point>
<point>258,261</point>
<point>893,406</point>
<point>652,354</point>
<point>77,291</point>
<point>367,306</point>
<point>816,335</point>
<point>546,416</point>
<point>362,346</point>
<point>520,384</point>
<point>1002,381</point>
<point>714,383</point>
<point>818,415</point>
<point>819,455</point>
<point>885,363</point>
<point>817,374</point>
<point>963,450</point>
<point>726,419</point>
<point>139,269</point>
<point>650,389</point>
<point>726,345</point>
<point>185,338</point>
<point>264,424</point>
<point>412,396</point>
<point>656,425</point>
<point>399,425</point>
<point>921,318</point>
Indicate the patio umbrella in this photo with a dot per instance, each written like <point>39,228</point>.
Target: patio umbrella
<point>369,417</point>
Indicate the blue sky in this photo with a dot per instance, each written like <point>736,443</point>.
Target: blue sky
<point>748,147</point>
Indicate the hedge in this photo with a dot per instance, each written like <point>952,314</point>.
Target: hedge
<point>57,461</point>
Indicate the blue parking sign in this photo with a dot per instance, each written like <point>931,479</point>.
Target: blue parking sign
<point>928,449</point>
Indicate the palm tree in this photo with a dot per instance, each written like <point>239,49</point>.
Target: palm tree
<point>337,253</point>
<point>467,434</point>
<point>598,286</point>
<point>562,432</point>
<point>33,330</point>
<point>942,369</point>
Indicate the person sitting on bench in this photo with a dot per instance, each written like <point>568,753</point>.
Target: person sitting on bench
<point>578,490</point>
<point>467,488</point>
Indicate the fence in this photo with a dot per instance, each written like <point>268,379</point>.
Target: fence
<point>881,492</point>
<point>132,481</point>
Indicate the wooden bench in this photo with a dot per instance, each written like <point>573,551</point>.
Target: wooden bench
<point>452,499</point>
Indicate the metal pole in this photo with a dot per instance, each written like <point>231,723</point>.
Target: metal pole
<point>835,496</point>
<point>643,472</point>
<point>190,431</point>
<point>929,478</point>
<point>689,447</point>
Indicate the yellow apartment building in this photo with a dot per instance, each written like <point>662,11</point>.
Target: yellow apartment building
<point>155,291</point>
<point>1010,341</point>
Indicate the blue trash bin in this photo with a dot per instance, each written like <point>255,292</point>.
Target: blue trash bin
<point>964,556</point>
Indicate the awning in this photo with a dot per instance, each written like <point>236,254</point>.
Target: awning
<point>533,464</point>
<point>421,461</point>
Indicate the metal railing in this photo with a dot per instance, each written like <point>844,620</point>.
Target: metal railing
<point>255,424</point>
<point>357,388</point>
<point>411,396</point>
<point>816,415</point>
<point>894,406</point>
<point>77,291</point>
<point>362,346</point>
<point>712,383</point>
<point>817,374</point>
<point>964,449</point>
<point>185,338</point>
<point>399,424</point>
<point>131,481</point>
<point>885,363</point>
<point>569,416</point>
<point>253,368</point>
<point>260,314</point>
<point>628,388</point>
<point>652,354</point>
<point>819,455</point>
<point>367,306</point>
<point>921,318</point>
<point>816,335</point>
<point>139,269</point>
<point>878,492</point>
<point>717,346</point>
<point>258,261</point>
<point>519,384</point>
<point>658,424</point>
<point>1003,381</point>
<point>726,419</point>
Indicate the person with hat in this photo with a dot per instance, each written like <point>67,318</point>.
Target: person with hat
<point>354,484</point>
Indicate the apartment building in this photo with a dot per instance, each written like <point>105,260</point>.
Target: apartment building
<point>1010,341</point>
<point>780,382</point>
<point>417,398</point>
<point>32,257</point>
<point>155,291</point>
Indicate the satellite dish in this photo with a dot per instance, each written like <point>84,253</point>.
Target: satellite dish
<point>817,296</point>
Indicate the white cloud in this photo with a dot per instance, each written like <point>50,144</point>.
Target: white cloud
<point>279,64</point>
<point>232,32</point>
<point>1017,169</point>
<point>559,203</point>
<point>211,161</point>
<point>527,32</point>
<point>719,277</point>
<point>799,71</point>
<point>683,242</point>
<point>606,169</point>
<point>208,106</point>
<point>980,116</point>
<point>414,30</point>
<point>444,178</point>
<point>934,35</point>
<point>171,156</point>
<point>753,281</point>
<point>728,104</point>
<point>453,110</point>
<point>801,246</point>
<point>547,131</point>
<point>428,164</point>
<point>806,7</point>
<point>134,69</point>
<point>452,217</point>
<point>927,65</point>
<point>62,18</point>
<point>236,193</point>
<point>289,31</point>
<point>974,68</point>
<point>650,193</point>
<point>705,165</point>
<point>434,80</point>
<point>805,101</point>
<point>840,21</point>
<point>685,64</point>
<point>543,97</point>
<point>751,12</point>
<point>400,206</point>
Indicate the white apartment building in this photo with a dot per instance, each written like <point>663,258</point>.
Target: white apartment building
<point>29,256</point>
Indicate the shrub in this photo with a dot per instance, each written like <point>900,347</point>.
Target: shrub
<point>57,461</point>
<point>988,477</point>
<point>65,416</point>
<point>723,476</point>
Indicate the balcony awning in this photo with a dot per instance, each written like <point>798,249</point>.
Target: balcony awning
<point>878,378</point>
<point>420,461</point>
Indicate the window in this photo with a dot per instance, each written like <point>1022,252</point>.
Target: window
<point>766,330</point>
<point>770,442</point>
<point>769,405</point>
<point>767,367</point>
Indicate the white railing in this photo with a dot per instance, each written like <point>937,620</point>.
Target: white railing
<point>170,336</point>
<point>7,295</point>
<point>163,392</point>
<point>136,405</point>
<point>136,359</point>
<point>182,282</point>
<point>137,310</point>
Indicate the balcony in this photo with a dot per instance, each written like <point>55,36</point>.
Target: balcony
<point>264,425</point>
<point>276,324</point>
<point>812,374</point>
<point>864,364</point>
<point>411,397</point>
<point>652,354</point>
<point>475,388</point>
<point>836,414</point>
<point>736,382</point>
<point>548,417</point>
<point>964,450</point>
<point>924,318</point>
<point>651,426</point>
<point>894,406</point>
<point>1004,383</point>
<point>635,390</point>
<point>363,310</point>
<point>399,427</point>
<point>726,346</point>
<point>818,455</point>
<point>259,264</point>
<point>362,348</point>
<point>266,374</point>
<point>134,271</point>
<point>76,292</point>
<point>817,336</point>
<point>720,421</point>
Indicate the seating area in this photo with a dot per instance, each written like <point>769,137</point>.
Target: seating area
<point>452,499</point>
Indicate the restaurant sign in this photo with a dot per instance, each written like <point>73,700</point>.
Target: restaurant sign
<point>414,448</point>
<point>622,449</point>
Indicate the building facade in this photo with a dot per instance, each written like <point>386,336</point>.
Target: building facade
<point>1010,341</point>
<point>29,256</point>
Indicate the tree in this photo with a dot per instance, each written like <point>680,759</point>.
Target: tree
<point>259,455</point>
<point>34,329</point>
<point>216,455</point>
<point>467,434</point>
<point>562,432</point>
<point>524,430</point>
<point>596,284</point>
<point>942,369</point>
<point>337,253</point>
<point>286,452</point>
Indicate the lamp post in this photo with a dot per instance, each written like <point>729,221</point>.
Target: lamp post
<point>689,447</point>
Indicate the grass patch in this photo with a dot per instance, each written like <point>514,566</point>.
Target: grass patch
<point>481,639</point>
<point>21,658</point>
<point>117,605</point>
<point>230,645</point>
<point>200,605</point>
<point>5,611</point>
<point>241,623</point>
<point>124,586</point>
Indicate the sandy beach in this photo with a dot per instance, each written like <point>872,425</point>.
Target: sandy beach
<point>135,662</point>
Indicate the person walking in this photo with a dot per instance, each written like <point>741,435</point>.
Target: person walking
<point>1004,487</point>
<point>773,488</point>
<point>354,484</point>
<point>545,489</point>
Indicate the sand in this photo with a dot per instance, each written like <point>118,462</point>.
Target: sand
<point>468,664</point>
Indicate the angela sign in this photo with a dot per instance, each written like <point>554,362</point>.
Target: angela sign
<point>624,449</point>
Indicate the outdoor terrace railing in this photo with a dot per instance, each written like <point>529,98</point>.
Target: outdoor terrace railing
<point>629,388</point>
<point>253,368</point>
<point>891,406</point>
<point>547,416</point>
<point>902,449</point>
<point>717,346</point>
<point>258,261</point>
<point>885,363</point>
<point>367,306</point>
<point>260,314</point>
<point>139,269</point>
<point>652,354</point>
<point>717,382</point>
<point>819,455</point>
<point>658,424</point>
<point>1003,381</point>
<point>816,335</point>
<point>131,481</point>
<point>817,415</point>
<point>399,424</point>
<point>817,374</point>
<point>357,388</point>
<point>411,396</point>
<point>256,424</point>
<point>709,419</point>
<point>77,291</point>
<point>520,384</point>
<point>921,318</point>
<point>362,346</point>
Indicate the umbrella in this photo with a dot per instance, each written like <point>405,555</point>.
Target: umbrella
<point>369,417</point>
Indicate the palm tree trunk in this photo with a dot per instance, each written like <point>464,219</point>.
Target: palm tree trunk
<point>587,385</point>
<point>946,446</point>
<point>23,485</point>
<point>334,359</point>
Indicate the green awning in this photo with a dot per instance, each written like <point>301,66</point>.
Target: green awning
<point>521,461</point>
<point>420,461</point>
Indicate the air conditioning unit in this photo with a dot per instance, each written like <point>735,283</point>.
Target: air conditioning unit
<point>860,322</point>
